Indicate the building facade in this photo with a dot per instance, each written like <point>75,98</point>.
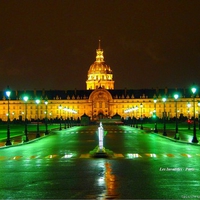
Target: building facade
<point>99,100</point>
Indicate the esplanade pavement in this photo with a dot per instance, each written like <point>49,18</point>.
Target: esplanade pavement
<point>59,166</point>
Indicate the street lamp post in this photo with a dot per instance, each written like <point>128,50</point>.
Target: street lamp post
<point>73,118</point>
<point>68,119</point>
<point>155,128</point>
<point>141,118</point>
<point>133,118</point>
<point>25,120</point>
<point>60,107</point>
<point>199,113</point>
<point>38,133</point>
<point>8,142</point>
<point>130,111</point>
<point>194,139</point>
<point>65,109</point>
<point>46,118</point>
<point>188,117</point>
<point>164,118</point>
<point>13,115</point>
<point>136,124</point>
<point>176,96</point>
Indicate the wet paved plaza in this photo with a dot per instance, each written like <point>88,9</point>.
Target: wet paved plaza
<point>59,166</point>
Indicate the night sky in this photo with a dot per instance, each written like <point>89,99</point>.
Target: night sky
<point>147,43</point>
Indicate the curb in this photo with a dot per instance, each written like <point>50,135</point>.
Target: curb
<point>24,143</point>
<point>174,140</point>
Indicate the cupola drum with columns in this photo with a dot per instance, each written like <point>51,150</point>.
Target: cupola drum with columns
<point>99,74</point>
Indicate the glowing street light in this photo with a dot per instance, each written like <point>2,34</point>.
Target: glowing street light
<point>164,117</point>
<point>194,139</point>
<point>8,93</point>
<point>25,98</point>
<point>38,133</point>
<point>176,96</point>
<point>46,118</point>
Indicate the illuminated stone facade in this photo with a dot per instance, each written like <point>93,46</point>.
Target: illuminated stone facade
<point>99,103</point>
<point>99,100</point>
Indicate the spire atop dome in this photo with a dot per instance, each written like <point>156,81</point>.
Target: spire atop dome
<point>99,51</point>
<point>99,44</point>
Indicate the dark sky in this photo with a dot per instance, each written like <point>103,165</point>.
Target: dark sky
<point>147,43</point>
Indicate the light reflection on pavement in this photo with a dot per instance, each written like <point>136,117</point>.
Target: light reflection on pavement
<point>107,181</point>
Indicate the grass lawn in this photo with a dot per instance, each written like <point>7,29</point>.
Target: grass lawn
<point>18,129</point>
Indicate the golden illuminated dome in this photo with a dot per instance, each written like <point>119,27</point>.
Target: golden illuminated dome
<point>99,73</point>
<point>99,68</point>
